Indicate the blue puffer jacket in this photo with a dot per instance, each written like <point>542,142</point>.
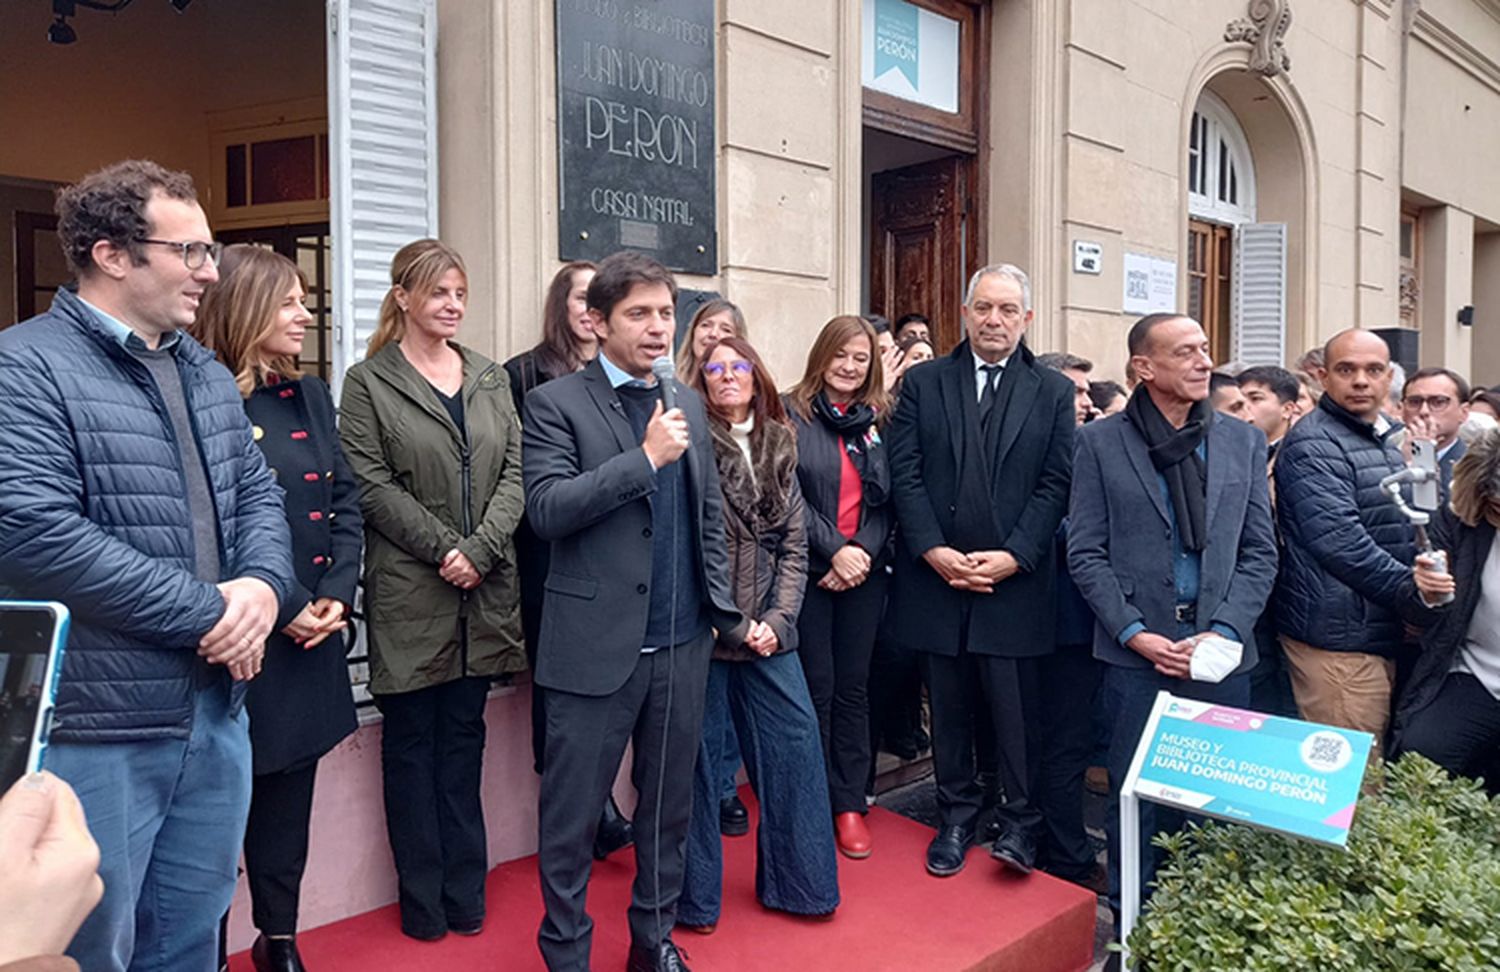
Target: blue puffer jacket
<point>94,513</point>
<point>1347,563</point>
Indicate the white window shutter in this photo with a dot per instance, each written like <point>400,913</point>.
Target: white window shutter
<point>382,82</point>
<point>1259,289</point>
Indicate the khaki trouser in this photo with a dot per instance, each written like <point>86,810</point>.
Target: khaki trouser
<point>1341,688</point>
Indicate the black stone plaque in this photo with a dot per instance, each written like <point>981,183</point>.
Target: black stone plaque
<point>635,130</point>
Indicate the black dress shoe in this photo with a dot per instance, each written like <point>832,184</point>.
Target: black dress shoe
<point>1015,851</point>
<point>734,819</point>
<point>468,928</point>
<point>945,855</point>
<point>614,833</point>
<point>276,955</point>
<point>901,746</point>
<point>663,958</point>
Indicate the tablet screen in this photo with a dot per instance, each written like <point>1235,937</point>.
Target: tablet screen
<point>25,639</point>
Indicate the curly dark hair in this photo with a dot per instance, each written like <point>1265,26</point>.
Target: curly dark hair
<point>110,204</point>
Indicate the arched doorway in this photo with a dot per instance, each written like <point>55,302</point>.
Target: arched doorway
<point>1248,211</point>
<point>1221,198</point>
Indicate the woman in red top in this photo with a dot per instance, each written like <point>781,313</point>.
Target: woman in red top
<point>836,410</point>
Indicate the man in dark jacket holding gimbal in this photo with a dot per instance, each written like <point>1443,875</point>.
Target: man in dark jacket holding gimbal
<point>1348,549</point>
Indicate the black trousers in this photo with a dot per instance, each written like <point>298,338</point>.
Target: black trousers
<point>1459,729</point>
<point>538,714</point>
<point>1069,680</point>
<point>895,691</point>
<point>1009,686</point>
<point>432,752</point>
<point>836,638</point>
<point>276,846</point>
<point>586,737</point>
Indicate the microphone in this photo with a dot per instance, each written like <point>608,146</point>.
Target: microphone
<point>663,369</point>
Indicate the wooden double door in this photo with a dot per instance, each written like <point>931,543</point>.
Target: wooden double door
<point>922,246</point>
<point>1211,282</point>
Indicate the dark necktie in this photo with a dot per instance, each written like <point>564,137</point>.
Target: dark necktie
<point>987,399</point>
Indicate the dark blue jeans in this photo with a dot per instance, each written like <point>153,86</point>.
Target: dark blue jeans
<point>1129,694</point>
<point>169,815</point>
<point>796,867</point>
<point>716,720</point>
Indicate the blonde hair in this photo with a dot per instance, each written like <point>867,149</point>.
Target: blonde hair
<point>416,268</point>
<point>239,313</point>
<point>835,334</point>
<point>1476,478</point>
<point>687,362</point>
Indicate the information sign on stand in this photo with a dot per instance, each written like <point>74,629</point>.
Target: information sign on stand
<point>1297,778</point>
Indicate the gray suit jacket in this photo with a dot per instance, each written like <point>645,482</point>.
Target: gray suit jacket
<point>1120,537</point>
<point>588,484</point>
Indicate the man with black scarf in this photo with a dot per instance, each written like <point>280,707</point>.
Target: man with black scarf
<point>1170,539</point>
<point>980,447</point>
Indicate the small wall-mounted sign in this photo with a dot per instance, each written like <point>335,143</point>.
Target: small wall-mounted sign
<point>1087,257</point>
<point>1150,284</point>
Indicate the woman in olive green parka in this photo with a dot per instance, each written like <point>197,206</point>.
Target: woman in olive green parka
<point>431,432</point>
<point>408,456</point>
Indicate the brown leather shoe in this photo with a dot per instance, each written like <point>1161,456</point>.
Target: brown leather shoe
<point>852,835</point>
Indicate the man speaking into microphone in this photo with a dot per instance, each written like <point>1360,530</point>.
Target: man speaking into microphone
<point>621,479</point>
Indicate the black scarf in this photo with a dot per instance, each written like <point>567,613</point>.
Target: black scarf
<point>1174,453</point>
<point>856,427</point>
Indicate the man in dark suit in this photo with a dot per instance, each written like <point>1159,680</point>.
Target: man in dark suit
<point>1169,540</point>
<point>980,449</point>
<point>628,495</point>
<point>1436,401</point>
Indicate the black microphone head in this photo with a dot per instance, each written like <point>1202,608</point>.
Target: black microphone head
<point>664,370</point>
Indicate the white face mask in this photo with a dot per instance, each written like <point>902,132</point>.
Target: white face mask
<point>1214,658</point>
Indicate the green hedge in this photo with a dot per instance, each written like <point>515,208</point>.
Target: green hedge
<point>1418,888</point>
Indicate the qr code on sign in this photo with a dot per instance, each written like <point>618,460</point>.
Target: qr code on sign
<point>1326,752</point>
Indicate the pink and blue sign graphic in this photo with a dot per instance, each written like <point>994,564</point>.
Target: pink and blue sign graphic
<point>1300,778</point>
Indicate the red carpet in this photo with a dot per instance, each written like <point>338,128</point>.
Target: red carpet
<point>894,917</point>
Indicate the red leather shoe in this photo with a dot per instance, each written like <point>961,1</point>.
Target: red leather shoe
<point>852,835</point>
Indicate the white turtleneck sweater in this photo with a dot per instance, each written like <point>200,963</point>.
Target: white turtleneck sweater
<point>1479,655</point>
<point>740,431</point>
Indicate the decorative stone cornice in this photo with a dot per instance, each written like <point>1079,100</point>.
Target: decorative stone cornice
<point>1448,44</point>
<point>1263,30</point>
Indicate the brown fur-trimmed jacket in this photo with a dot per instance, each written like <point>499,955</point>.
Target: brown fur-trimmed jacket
<point>765,530</point>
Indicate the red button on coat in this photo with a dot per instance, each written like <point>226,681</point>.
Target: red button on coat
<point>315,515</point>
<point>318,560</point>
<point>300,434</point>
<point>311,477</point>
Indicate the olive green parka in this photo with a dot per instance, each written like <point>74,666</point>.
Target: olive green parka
<point>427,487</point>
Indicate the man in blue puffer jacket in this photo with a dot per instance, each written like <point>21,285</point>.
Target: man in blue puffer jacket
<point>1346,584</point>
<point>131,489</point>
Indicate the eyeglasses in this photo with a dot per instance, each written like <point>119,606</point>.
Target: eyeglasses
<point>194,253</point>
<point>1435,402</point>
<point>715,369</point>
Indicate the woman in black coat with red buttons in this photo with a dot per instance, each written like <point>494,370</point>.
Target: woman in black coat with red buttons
<point>301,704</point>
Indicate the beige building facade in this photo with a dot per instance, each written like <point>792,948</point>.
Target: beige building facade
<point>1360,131</point>
<point>1363,129</point>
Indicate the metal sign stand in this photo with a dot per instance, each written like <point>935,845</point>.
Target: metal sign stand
<point>1355,756</point>
<point>1130,831</point>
